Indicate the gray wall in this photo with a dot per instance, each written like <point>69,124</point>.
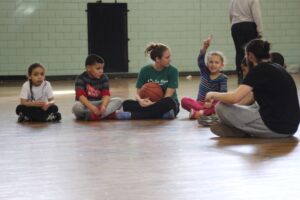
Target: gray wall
<point>54,32</point>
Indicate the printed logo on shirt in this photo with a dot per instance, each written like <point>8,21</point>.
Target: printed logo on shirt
<point>160,82</point>
<point>92,92</point>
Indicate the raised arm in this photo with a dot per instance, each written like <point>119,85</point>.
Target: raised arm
<point>201,57</point>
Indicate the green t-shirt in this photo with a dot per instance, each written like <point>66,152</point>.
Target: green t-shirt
<point>167,78</point>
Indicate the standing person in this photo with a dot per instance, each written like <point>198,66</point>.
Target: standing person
<point>166,76</point>
<point>211,80</point>
<point>93,101</point>
<point>276,112</point>
<point>246,24</point>
<point>37,101</point>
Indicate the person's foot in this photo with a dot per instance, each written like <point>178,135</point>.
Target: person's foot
<point>169,115</point>
<point>194,114</point>
<point>223,130</point>
<point>208,120</point>
<point>22,118</point>
<point>123,115</point>
<point>54,117</point>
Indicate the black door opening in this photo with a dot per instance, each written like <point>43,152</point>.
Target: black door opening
<point>107,34</point>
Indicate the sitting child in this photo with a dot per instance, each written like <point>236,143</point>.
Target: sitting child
<point>93,100</point>
<point>37,101</point>
<point>211,80</point>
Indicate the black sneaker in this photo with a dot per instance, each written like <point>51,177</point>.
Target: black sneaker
<point>54,117</point>
<point>22,118</point>
<point>208,120</point>
<point>169,115</point>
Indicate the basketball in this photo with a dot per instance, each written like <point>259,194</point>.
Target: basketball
<point>151,90</point>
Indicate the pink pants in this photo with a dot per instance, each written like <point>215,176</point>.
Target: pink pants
<point>189,103</point>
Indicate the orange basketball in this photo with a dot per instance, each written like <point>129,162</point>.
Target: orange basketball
<point>151,90</point>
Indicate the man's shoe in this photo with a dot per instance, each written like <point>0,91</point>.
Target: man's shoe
<point>223,130</point>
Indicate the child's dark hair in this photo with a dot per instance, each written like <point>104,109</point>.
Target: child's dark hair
<point>277,58</point>
<point>33,66</point>
<point>93,59</point>
<point>156,50</point>
<point>259,48</point>
<point>29,72</point>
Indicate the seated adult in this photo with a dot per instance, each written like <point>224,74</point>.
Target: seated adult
<point>276,113</point>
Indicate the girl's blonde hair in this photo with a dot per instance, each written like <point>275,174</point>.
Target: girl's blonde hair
<point>216,53</point>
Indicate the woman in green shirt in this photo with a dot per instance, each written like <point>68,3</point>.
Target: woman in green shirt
<point>166,76</point>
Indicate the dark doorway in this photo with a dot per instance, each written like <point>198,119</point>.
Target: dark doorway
<point>107,34</point>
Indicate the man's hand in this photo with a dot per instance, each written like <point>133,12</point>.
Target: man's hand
<point>208,104</point>
<point>209,97</point>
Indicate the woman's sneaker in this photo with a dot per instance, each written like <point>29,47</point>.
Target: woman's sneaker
<point>169,115</point>
<point>208,120</point>
<point>122,115</point>
<point>54,117</point>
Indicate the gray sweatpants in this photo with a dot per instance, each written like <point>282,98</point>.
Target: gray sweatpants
<point>81,112</point>
<point>247,119</point>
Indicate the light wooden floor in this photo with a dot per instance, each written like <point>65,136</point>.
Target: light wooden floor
<point>137,160</point>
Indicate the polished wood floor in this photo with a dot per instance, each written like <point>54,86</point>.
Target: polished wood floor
<point>138,160</point>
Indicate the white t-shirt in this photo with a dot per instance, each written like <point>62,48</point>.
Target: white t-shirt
<point>40,93</point>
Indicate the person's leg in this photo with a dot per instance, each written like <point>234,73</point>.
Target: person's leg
<point>34,114</point>
<point>242,33</point>
<point>155,111</point>
<point>238,39</point>
<point>113,105</point>
<point>131,106</point>
<point>211,110</point>
<point>52,109</point>
<point>244,119</point>
<point>257,128</point>
<point>79,110</point>
<point>224,130</point>
<point>52,114</point>
<point>21,111</point>
<point>189,103</point>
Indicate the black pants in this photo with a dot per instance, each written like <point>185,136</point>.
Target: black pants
<point>36,114</point>
<point>154,111</point>
<point>242,33</point>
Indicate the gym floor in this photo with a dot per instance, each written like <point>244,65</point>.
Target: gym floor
<point>146,159</point>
